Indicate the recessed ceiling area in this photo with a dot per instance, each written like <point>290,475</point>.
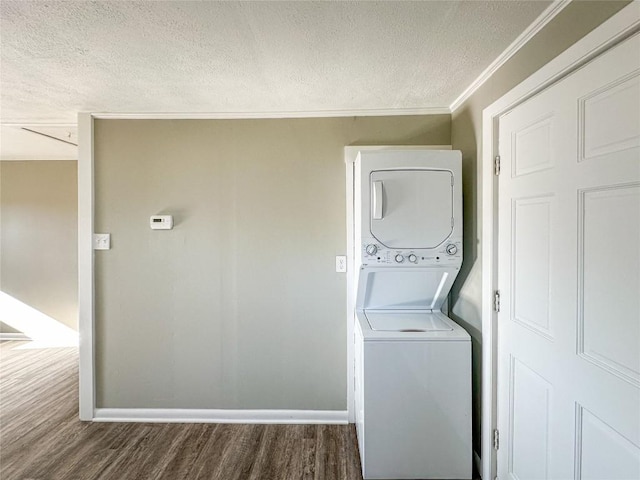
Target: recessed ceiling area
<point>59,58</point>
<point>38,142</point>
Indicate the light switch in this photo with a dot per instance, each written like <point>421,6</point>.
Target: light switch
<point>101,241</point>
<point>341,263</point>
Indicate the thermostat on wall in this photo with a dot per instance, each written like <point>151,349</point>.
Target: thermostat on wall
<point>161,222</point>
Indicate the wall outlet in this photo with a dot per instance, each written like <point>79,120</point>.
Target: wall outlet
<point>101,241</point>
<point>341,263</point>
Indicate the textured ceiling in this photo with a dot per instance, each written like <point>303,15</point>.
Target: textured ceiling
<point>59,58</point>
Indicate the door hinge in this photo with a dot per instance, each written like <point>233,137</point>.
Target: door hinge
<point>496,165</point>
<point>496,301</point>
<point>496,439</point>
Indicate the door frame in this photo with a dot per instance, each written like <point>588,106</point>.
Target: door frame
<point>615,30</point>
<point>86,308</point>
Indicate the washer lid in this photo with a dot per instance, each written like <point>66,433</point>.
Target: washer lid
<point>404,288</point>
<point>406,321</point>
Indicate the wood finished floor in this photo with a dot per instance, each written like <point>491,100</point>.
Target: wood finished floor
<point>41,437</point>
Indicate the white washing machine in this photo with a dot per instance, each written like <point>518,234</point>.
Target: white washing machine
<point>413,363</point>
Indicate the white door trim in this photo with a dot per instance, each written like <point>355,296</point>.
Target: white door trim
<point>618,28</point>
<point>86,310</point>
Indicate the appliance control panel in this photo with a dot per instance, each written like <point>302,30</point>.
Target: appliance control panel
<point>449,253</point>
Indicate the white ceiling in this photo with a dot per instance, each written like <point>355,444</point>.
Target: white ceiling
<point>260,57</point>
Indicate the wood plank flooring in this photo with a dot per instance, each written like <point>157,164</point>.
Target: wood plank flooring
<point>41,437</point>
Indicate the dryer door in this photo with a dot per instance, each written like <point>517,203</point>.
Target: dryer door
<point>411,208</point>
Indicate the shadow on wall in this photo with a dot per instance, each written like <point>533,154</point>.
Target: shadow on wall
<point>43,330</point>
<point>466,291</point>
<point>424,130</point>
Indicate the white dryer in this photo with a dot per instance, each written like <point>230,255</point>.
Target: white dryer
<point>413,363</point>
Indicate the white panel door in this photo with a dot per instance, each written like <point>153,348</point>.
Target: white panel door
<point>569,276</point>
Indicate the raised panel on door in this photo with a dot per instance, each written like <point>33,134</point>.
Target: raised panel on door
<point>530,272</point>
<point>609,118</point>
<point>602,452</point>
<point>531,149</point>
<point>530,397</point>
<point>414,207</point>
<point>609,279</point>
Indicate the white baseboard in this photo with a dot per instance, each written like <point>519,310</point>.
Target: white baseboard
<point>13,336</point>
<point>478,462</point>
<point>180,415</point>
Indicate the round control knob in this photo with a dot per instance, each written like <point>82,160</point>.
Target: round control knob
<point>413,258</point>
<point>399,258</point>
<point>452,249</point>
<point>371,249</point>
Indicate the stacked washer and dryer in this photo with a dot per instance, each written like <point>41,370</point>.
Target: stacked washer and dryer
<point>413,363</point>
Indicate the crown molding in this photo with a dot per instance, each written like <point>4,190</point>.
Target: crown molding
<point>538,24</point>
<point>381,112</point>
<point>267,115</point>
<point>16,124</point>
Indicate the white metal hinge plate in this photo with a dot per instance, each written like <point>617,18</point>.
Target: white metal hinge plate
<point>496,439</point>
<point>496,301</point>
<point>496,165</point>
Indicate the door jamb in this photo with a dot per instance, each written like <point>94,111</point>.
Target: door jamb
<point>615,30</point>
<point>86,309</point>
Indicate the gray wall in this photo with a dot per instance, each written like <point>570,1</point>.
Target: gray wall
<point>39,236</point>
<point>239,306</point>
<point>575,21</point>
